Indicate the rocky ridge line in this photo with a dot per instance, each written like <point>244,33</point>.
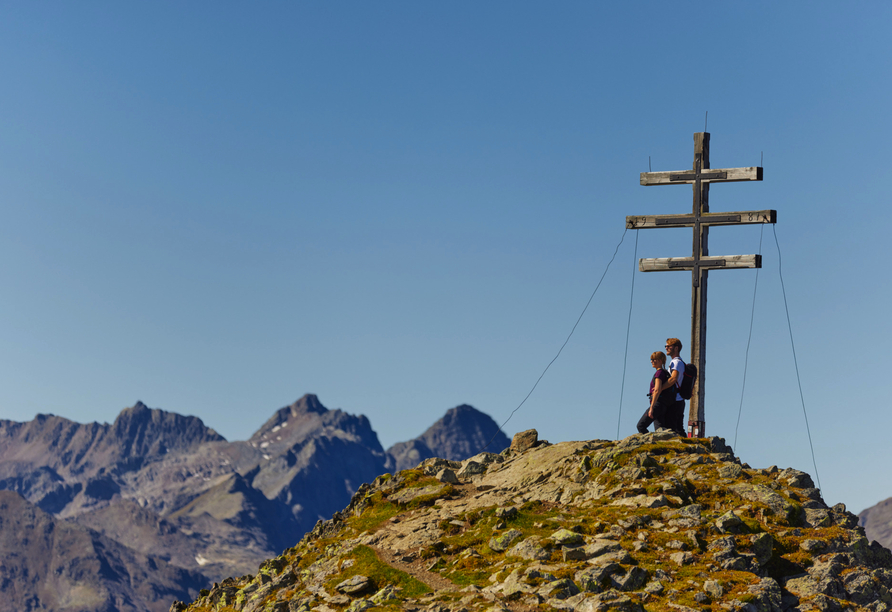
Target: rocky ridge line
<point>651,522</point>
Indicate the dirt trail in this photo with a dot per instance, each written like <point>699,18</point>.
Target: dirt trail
<point>416,570</point>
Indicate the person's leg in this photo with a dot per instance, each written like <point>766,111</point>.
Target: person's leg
<point>644,422</point>
<point>678,418</point>
<point>661,417</point>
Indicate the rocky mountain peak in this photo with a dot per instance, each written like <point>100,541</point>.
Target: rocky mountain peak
<point>143,432</point>
<point>307,404</point>
<point>294,420</point>
<point>292,425</point>
<point>462,432</point>
<point>651,522</point>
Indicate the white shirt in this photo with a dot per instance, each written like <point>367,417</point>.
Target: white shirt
<point>678,365</point>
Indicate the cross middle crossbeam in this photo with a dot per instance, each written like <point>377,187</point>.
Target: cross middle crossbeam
<point>725,218</point>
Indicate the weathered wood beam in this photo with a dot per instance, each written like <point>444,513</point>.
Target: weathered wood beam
<point>727,218</point>
<point>664,264</point>
<point>719,175</point>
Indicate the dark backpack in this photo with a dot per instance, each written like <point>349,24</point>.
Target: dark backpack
<point>686,389</point>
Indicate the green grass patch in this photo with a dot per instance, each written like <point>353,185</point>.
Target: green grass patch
<point>429,499</point>
<point>375,515</point>
<point>412,479</point>
<point>467,577</point>
<point>381,574</point>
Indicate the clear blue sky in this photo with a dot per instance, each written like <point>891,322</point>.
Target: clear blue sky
<point>218,207</point>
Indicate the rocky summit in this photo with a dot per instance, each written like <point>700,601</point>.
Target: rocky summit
<point>651,522</point>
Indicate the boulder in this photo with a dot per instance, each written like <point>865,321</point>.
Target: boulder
<point>448,476</point>
<point>565,537</point>
<point>762,547</point>
<point>729,523</point>
<point>632,580</point>
<point>501,542</point>
<point>524,440</point>
<point>355,585</point>
<point>529,549</point>
<point>601,547</point>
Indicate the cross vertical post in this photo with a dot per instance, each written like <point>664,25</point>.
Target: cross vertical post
<point>699,281</point>
<point>700,262</point>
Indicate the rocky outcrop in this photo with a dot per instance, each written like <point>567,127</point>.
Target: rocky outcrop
<point>462,432</point>
<point>652,522</point>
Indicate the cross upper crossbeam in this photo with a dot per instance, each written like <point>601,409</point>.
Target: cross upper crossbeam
<point>679,177</point>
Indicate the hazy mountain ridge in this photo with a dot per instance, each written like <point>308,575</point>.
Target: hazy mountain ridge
<point>877,522</point>
<point>166,487</point>
<point>50,564</point>
<point>71,449</point>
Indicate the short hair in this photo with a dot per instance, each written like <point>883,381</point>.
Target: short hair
<point>659,356</point>
<point>674,342</point>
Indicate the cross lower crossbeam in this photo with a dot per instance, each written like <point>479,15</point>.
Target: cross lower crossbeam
<point>725,262</point>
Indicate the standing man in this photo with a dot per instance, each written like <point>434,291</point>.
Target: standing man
<point>676,375</point>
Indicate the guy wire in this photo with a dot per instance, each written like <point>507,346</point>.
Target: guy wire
<point>795,363</point>
<point>615,251</point>
<point>622,386</point>
<point>749,338</point>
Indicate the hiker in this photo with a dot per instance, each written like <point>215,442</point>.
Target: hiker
<point>676,375</point>
<point>662,396</point>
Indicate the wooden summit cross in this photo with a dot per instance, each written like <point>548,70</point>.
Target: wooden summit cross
<point>700,263</point>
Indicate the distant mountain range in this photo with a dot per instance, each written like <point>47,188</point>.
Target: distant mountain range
<point>89,511</point>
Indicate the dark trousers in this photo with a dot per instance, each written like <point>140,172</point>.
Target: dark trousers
<point>659,419</point>
<point>676,418</point>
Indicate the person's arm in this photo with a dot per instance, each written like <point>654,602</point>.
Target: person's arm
<point>673,379</point>
<point>658,386</point>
